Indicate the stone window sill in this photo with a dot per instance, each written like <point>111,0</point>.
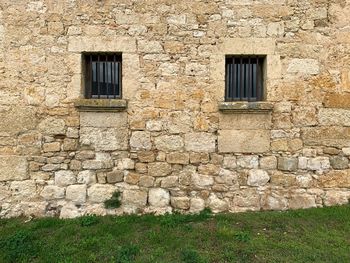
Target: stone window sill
<point>101,104</point>
<point>245,107</point>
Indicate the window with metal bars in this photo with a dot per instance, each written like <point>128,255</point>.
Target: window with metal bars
<point>244,78</point>
<point>103,76</point>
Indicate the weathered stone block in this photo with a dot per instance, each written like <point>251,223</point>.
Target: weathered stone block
<point>52,192</point>
<point>115,176</point>
<point>335,178</point>
<point>159,169</point>
<point>13,168</point>
<point>140,140</point>
<point>182,202</point>
<point>200,142</point>
<point>302,201</point>
<point>336,117</point>
<point>335,100</point>
<point>103,119</point>
<point>318,163</point>
<point>169,143</point>
<point>216,204</point>
<point>64,178</point>
<point>178,158</point>
<point>334,197</point>
<point>339,162</point>
<point>134,198</point>
<point>158,197</point>
<point>52,126</point>
<point>98,44</point>
<point>76,193</point>
<point>196,205</point>
<point>304,66</point>
<point>202,181</point>
<point>244,141</point>
<point>327,136</point>
<point>99,193</point>
<point>244,121</point>
<point>257,177</point>
<point>248,162</point>
<point>86,177</point>
<point>104,139</point>
<point>287,163</point>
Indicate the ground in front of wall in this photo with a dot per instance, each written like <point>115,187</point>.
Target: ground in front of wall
<point>314,235</point>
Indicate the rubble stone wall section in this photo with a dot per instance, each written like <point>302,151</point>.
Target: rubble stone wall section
<point>172,148</point>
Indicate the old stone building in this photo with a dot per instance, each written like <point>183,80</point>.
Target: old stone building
<point>234,105</point>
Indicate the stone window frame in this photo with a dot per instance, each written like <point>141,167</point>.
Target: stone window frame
<point>78,46</point>
<point>244,47</point>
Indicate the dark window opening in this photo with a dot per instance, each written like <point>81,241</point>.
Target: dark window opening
<point>244,78</point>
<point>103,76</point>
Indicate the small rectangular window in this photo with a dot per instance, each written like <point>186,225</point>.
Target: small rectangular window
<point>244,78</point>
<point>103,76</point>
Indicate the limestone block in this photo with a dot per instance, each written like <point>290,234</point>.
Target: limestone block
<point>230,162</point>
<point>178,158</point>
<point>334,136</point>
<point>335,197</point>
<point>182,202</point>
<point>304,66</point>
<point>52,126</point>
<point>103,119</point>
<point>140,140</point>
<point>246,199</point>
<point>169,182</point>
<point>288,163</point>
<point>268,162</point>
<point>76,193</point>
<point>336,100</point>
<point>244,121</point>
<point>134,198</point>
<point>99,193</point>
<point>335,178</point>
<point>258,177</point>
<point>132,178</point>
<point>70,210</point>
<point>104,139</point>
<point>200,142</point>
<point>282,179</point>
<point>115,176</point>
<point>146,181</point>
<point>196,205</point>
<point>217,205</point>
<point>64,178</point>
<point>23,190</point>
<point>274,201</point>
<point>101,161</point>
<point>52,147</point>
<point>244,141</point>
<point>227,177</point>
<point>302,201</point>
<point>17,119</point>
<point>169,143</point>
<point>248,162</point>
<point>158,197</point>
<point>202,181</point>
<point>336,117</point>
<point>13,168</point>
<point>159,169</point>
<point>318,163</point>
<point>52,192</point>
<point>339,162</point>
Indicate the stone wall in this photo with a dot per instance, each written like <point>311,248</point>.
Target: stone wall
<point>174,147</point>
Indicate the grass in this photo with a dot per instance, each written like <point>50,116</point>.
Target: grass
<point>315,235</point>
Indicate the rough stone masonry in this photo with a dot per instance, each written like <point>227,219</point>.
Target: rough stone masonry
<point>174,144</point>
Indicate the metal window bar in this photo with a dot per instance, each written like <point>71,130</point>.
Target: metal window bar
<point>244,78</point>
<point>103,76</point>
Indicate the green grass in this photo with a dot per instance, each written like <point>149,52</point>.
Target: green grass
<point>315,235</point>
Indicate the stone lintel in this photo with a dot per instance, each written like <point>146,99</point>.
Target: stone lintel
<point>100,104</point>
<point>245,107</point>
